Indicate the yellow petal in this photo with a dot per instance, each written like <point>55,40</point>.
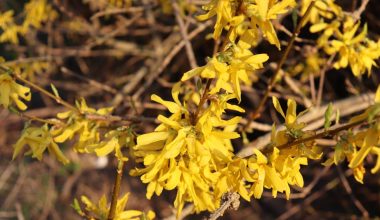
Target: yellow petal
<point>291,114</point>
<point>174,179</point>
<point>370,140</point>
<point>169,122</point>
<point>262,6</point>
<point>19,103</point>
<point>152,137</point>
<point>225,134</point>
<point>377,96</point>
<point>107,147</point>
<point>174,148</point>
<point>258,58</point>
<point>150,189</point>
<point>261,158</point>
<point>130,214</point>
<point>277,106</point>
<point>175,92</point>
<point>234,107</point>
<point>171,106</point>
<point>318,27</point>
<point>58,153</point>
<point>190,74</point>
<point>376,150</point>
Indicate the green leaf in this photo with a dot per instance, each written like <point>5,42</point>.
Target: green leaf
<point>55,91</point>
<point>328,114</point>
<point>245,138</point>
<point>337,117</point>
<point>75,205</point>
<point>199,85</point>
<point>375,110</point>
<point>294,18</point>
<point>13,110</point>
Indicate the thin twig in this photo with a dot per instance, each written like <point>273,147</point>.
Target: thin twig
<point>34,118</point>
<point>325,133</point>
<point>231,202</point>
<point>201,102</point>
<point>356,14</point>
<point>272,82</point>
<point>185,36</point>
<point>116,189</point>
<point>348,189</point>
<point>293,210</point>
<point>173,52</point>
<point>90,81</point>
<point>315,119</point>
<point>322,79</point>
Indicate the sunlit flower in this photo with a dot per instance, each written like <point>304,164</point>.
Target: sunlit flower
<point>39,139</point>
<point>184,156</point>
<point>262,12</point>
<point>229,69</point>
<point>78,124</point>
<point>101,210</point>
<point>10,91</point>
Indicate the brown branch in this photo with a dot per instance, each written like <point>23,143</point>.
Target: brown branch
<point>185,36</point>
<point>194,118</point>
<point>231,202</point>
<point>348,189</point>
<point>326,68</point>
<point>116,189</point>
<point>356,14</point>
<point>272,82</point>
<point>325,133</point>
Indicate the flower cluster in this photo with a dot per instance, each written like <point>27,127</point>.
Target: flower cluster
<point>229,68</point>
<point>355,147</point>
<point>339,35</point>
<point>84,123</point>
<point>11,91</point>
<point>191,150</point>
<point>39,139</point>
<point>187,156</point>
<point>100,211</point>
<point>245,18</point>
<point>35,13</point>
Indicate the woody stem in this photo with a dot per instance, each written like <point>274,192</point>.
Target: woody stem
<point>116,189</point>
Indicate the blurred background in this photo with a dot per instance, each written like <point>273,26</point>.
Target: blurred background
<point>117,53</point>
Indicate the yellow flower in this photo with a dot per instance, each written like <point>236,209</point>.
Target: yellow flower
<point>101,210</point>
<point>235,177</point>
<point>369,144</point>
<point>114,140</point>
<point>353,49</point>
<point>224,11</point>
<point>243,18</point>
<point>9,28</point>
<point>291,114</point>
<point>37,12</point>
<point>39,139</point>
<point>294,131</point>
<point>243,63</point>
<point>229,69</point>
<point>323,9</point>
<point>265,175</point>
<point>78,124</point>
<point>263,11</point>
<point>10,90</point>
<point>184,156</point>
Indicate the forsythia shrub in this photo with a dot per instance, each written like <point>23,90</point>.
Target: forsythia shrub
<point>191,149</point>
